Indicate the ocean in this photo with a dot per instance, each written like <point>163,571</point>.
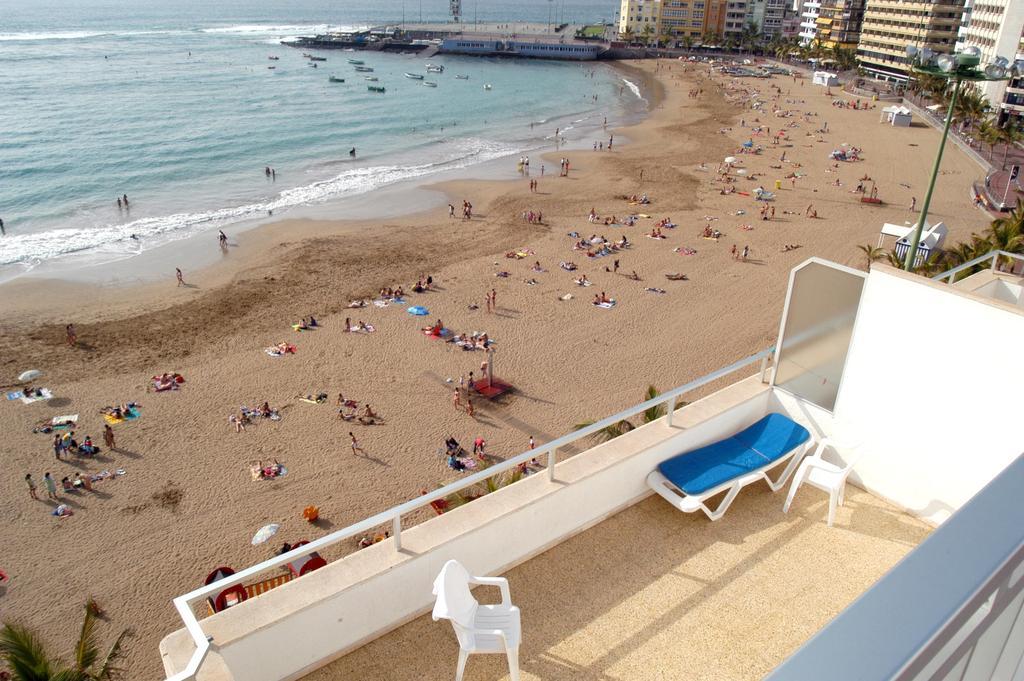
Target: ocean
<point>175,104</point>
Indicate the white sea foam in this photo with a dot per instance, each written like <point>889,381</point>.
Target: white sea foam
<point>32,248</point>
<point>633,88</point>
<point>276,29</point>
<point>66,35</point>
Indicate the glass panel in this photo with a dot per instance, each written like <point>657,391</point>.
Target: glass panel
<point>817,331</point>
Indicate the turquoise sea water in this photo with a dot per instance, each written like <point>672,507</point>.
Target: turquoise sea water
<point>173,103</point>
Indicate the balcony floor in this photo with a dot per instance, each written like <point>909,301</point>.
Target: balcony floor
<point>652,593</point>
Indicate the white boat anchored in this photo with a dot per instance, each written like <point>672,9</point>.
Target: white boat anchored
<point>414,76</point>
<point>430,83</point>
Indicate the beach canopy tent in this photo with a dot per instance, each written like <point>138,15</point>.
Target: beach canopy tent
<point>825,78</point>
<point>899,116</point>
<point>232,595</point>
<point>305,564</point>
<point>932,237</point>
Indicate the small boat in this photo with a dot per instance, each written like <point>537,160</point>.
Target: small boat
<point>271,67</point>
<point>273,58</point>
<point>313,64</point>
<point>435,69</point>
<point>487,86</point>
<point>357,62</point>
<point>364,69</point>
<point>430,83</point>
<point>375,88</point>
<point>335,79</point>
<point>414,76</point>
<point>318,58</point>
<point>461,77</point>
<point>372,79</point>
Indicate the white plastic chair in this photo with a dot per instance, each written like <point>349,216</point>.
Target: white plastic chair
<point>825,475</point>
<point>479,628</point>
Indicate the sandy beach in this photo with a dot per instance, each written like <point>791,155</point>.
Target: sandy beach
<point>187,503</point>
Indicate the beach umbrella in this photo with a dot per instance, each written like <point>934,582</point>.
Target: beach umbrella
<point>265,533</point>
<point>30,375</point>
<point>730,159</point>
<point>418,310</point>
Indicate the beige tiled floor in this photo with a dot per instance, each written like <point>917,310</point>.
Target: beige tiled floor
<point>655,594</point>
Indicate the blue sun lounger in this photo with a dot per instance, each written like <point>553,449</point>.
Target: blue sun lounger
<point>689,480</point>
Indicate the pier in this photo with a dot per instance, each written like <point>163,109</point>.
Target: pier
<point>536,41</point>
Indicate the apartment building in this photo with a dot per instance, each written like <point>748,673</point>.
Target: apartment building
<point>809,10</point>
<point>683,18</point>
<point>996,28</point>
<point>839,22</point>
<point>687,18</point>
<point>767,15</point>
<point>636,15</point>
<point>890,25</point>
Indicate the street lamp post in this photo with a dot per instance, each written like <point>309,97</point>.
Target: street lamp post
<point>960,67</point>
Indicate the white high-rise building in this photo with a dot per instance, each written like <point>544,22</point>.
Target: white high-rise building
<point>996,27</point>
<point>809,11</point>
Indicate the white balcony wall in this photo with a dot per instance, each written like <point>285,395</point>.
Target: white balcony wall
<point>291,630</point>
<point>932,383</point>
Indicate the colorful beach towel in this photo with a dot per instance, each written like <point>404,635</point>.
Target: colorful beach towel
<point>130,415</point>
<point>44,394</point>
<point>607,306</point>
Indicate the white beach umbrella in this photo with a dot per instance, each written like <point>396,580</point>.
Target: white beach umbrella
<point>265,533</point>
<point>30,375</point>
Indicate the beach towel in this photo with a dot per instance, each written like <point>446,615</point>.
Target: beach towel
<point>567,296</point>
<point>131,415</point>
<point>66,420</point>
<point>272,472</point>
<point>17,395</point>
<point>62,511</point>
<point>382,303</point>
<point>44,395</point>
<point>368,328</point>
<point>607,306</point>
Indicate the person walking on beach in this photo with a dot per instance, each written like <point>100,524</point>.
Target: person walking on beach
<point>108,437</point>
<point>451,211</point>
<point>494,300</point>
<point>31,486</point>
<point>71,336</point>
<point>58,446</point>
<point>124,198</point>
<point>181,279</point>
<point>51,485</point>
<point>223,238</point>
<point>456,399</point>
<point>356,447</point>
<point>746,252</point>
<point>913,202</point>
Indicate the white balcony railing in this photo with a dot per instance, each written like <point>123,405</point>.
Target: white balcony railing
<point>393,516</point>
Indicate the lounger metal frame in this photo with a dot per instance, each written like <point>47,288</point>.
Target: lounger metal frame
<point>690,503</point>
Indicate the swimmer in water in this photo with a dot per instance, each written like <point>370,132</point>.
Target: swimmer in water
<point>135,236</point>
<point>352,152</point>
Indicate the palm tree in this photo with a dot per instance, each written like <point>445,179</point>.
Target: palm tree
<point>688,43</point>
<point>608,432</point>
<point>970,108</point>
<point>871,254</point>
<point>25,655</point>
<point>1010,134</point>
<point>628,35</point>
<point>647,33</point>
<point>988,133</point>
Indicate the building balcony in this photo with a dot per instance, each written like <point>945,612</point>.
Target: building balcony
<point>615,583</point>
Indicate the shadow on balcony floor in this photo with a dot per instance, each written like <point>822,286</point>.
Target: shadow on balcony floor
<point>652,593</point>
